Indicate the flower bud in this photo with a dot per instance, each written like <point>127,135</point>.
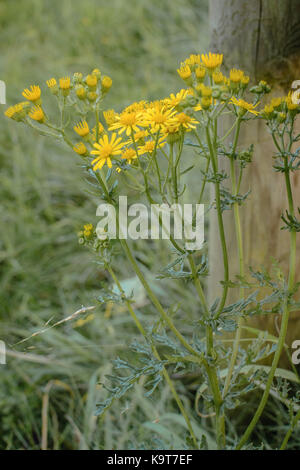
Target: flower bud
<point>281,117</point>
<point>77,77</point>
<point>97,73</point>
<point>200,73</point>
<point>91,81</point>
<point>92,96</point>
<point>106,83</point>
<point>206,102</point>
<point>52,85</point>
<point>80,92</point>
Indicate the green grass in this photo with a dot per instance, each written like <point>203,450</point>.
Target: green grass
<point>44,273</point>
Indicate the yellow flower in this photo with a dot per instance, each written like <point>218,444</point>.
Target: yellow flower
<point>149,146</point>
<point>33,94</point>
<point>18,111</point>
<point>129,155</point>
<point>126,121</point>
<point>37,114</point>
<point>175,100</point>
<point>65,83</point>
<point>82,129</point>
<point>171,131</point>
<point>80,92</point>
<point>172,127</point>
<point>281,117</point>
<point>137,106</point>
<point>97,73</point>
<point>156,117</point>
<point>138,137</point>
<point>218,77</point>
<point>193,60</point>
<point>91,81</point>
<point>245,80</point>
<point>51,83</point>
<point>267,111</point>
<point>92,96</point>
<point>87,230</point>
<point>12,110</point>
<point>106,83</point>
<point>184,72</point>
<point>205,91</point>
<point>80,148</point>
<point>244,105</point>
<point>206,102</point>
<point>236,76</point>
<point>200,72</point>
<point>110,116</point>
<point>276,102</point>
<point>186,121</point>
<point>212,61</point>
<point>105,149</point>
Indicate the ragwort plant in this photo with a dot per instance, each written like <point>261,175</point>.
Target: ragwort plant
<point>142,148</point>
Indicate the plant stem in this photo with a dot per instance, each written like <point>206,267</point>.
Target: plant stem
<point>210,369</point>
<point>204,181</point>
<point>156,354</point>
<point>155,300</point>
<point>198,285</point>
<point>291,429</point>
<point>284,321</point>
<point>174,173</point>
<point>239,239</point>
<point>220,223</point>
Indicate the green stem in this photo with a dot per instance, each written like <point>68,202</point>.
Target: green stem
<point>97,122</point>
<point>284,321</point>
<point>210,370</point>
<point>204,181</point>
<point>220,223</point>
<point>229,132</point>
<point>174,173</point>
<point>156,354</point>
<point>155,300</point>
<point>238,231</point>
<point>291,429</point>
<point>146,286</point>
<point>198,285</point>
<point>239,239</point>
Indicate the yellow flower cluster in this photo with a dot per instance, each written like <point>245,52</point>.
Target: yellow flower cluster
<point>19,111</point>
<point>202,73</point>
<point>142,128</point>
<point>148,126</point>
<point>280,108</point>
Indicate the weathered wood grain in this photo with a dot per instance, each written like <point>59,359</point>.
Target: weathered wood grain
<point>263,38</point>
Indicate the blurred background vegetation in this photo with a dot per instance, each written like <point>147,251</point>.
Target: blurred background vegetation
<point>44,274</point>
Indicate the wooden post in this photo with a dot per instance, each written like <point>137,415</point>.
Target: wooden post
<point>262,37</point>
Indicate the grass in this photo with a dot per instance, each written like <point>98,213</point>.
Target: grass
<point>44,274</point>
